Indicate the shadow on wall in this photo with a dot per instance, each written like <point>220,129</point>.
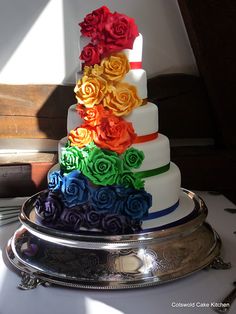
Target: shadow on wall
<point>52,113</point>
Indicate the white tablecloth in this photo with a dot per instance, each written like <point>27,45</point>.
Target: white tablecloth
<point>198,290</point>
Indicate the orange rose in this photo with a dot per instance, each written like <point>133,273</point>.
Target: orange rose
<point>114,133</point>
<point>122,99</point>
<point>93,116</point>
<point>80,137</point>
<point>90,90</point>
<point>115,67</point>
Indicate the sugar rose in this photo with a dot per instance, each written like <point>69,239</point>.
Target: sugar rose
<point>120,31</point>
<point>96,70</point>
<point>115,67</point>
<point>91,54</point>
<point>133,158</point>
<point>90,90</point>
<point>80,137</point>
<point>71,159</point>
<point>122,99</point>
<point>93,116</point>
<point>93,23</point>
<point>114,133</point>
<point>101,167</point>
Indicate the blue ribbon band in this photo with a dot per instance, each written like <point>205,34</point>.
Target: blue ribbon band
<point>162,212</point>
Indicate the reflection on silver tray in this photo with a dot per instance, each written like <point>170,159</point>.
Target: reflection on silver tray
<point>112,262</point>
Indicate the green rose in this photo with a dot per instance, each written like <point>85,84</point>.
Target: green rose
<point>101,167</point>
<point>128,179</point>
<point>87,149</point>
<point>71,159</point>
<point>133,158</point>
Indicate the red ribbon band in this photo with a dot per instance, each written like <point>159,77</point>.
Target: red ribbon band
<point>146,138</point>
<point>135,65</point>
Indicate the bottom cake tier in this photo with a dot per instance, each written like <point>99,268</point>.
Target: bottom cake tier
<point>176,249</point>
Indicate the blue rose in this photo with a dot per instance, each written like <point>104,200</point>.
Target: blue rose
<point>75,189</point>
<point>103,198</point>
<point>137,204</point>
<point>55,180</point>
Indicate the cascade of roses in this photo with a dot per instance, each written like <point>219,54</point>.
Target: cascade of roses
<point>96,186</point>
<point>103,98</point>
<point>109,32</point>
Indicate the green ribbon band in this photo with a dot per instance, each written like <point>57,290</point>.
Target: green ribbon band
<point>152,172</point>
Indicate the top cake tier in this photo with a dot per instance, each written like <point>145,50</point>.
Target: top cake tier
<point>136,75</point>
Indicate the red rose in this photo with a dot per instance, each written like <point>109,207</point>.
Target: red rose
<point>91,54</point>
<point>94,22</point>
<point>114,133</point>
<point>120,32</point>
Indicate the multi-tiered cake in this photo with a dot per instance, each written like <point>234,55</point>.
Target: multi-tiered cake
<point>115,175</point>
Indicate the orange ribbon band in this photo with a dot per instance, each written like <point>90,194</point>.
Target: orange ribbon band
<point>146,138</point>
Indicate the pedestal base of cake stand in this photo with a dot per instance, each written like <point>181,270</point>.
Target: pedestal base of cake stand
<point>51,257</point>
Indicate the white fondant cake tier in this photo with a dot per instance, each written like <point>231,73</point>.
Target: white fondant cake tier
<point>135,54</point>
<point>164,188</point>
<point>143,118</point>
<point>138,78</point>
<point>156,152</point>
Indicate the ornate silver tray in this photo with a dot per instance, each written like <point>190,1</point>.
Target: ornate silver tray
<point>49,256</point>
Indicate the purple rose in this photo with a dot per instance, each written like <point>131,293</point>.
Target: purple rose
<point>72,219</point>
<point>74,188</point>
<point>53,208</point>
<point>93,219</point>
<point>40,204</point>
<point>114,224</point>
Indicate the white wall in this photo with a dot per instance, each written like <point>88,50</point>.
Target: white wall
<point>39,38</point>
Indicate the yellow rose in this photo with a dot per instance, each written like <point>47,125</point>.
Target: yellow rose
<point>122,99</point>
<point>96,70</point>
<point>80,137</point>
<point>90,90</point>
<point>115,67</point>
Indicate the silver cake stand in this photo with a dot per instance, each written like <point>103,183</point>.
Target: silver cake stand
<point>48,256</point>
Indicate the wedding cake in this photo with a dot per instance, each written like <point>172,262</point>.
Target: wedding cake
<point>114,175</point>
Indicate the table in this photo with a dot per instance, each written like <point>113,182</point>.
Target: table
<point>193,294</point>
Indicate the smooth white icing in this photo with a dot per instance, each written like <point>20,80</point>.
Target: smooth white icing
<point>135,54</point>
<point>164,188</point>
<point>138,78</point>
<point>156,152</point>
<point>143,118</point>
